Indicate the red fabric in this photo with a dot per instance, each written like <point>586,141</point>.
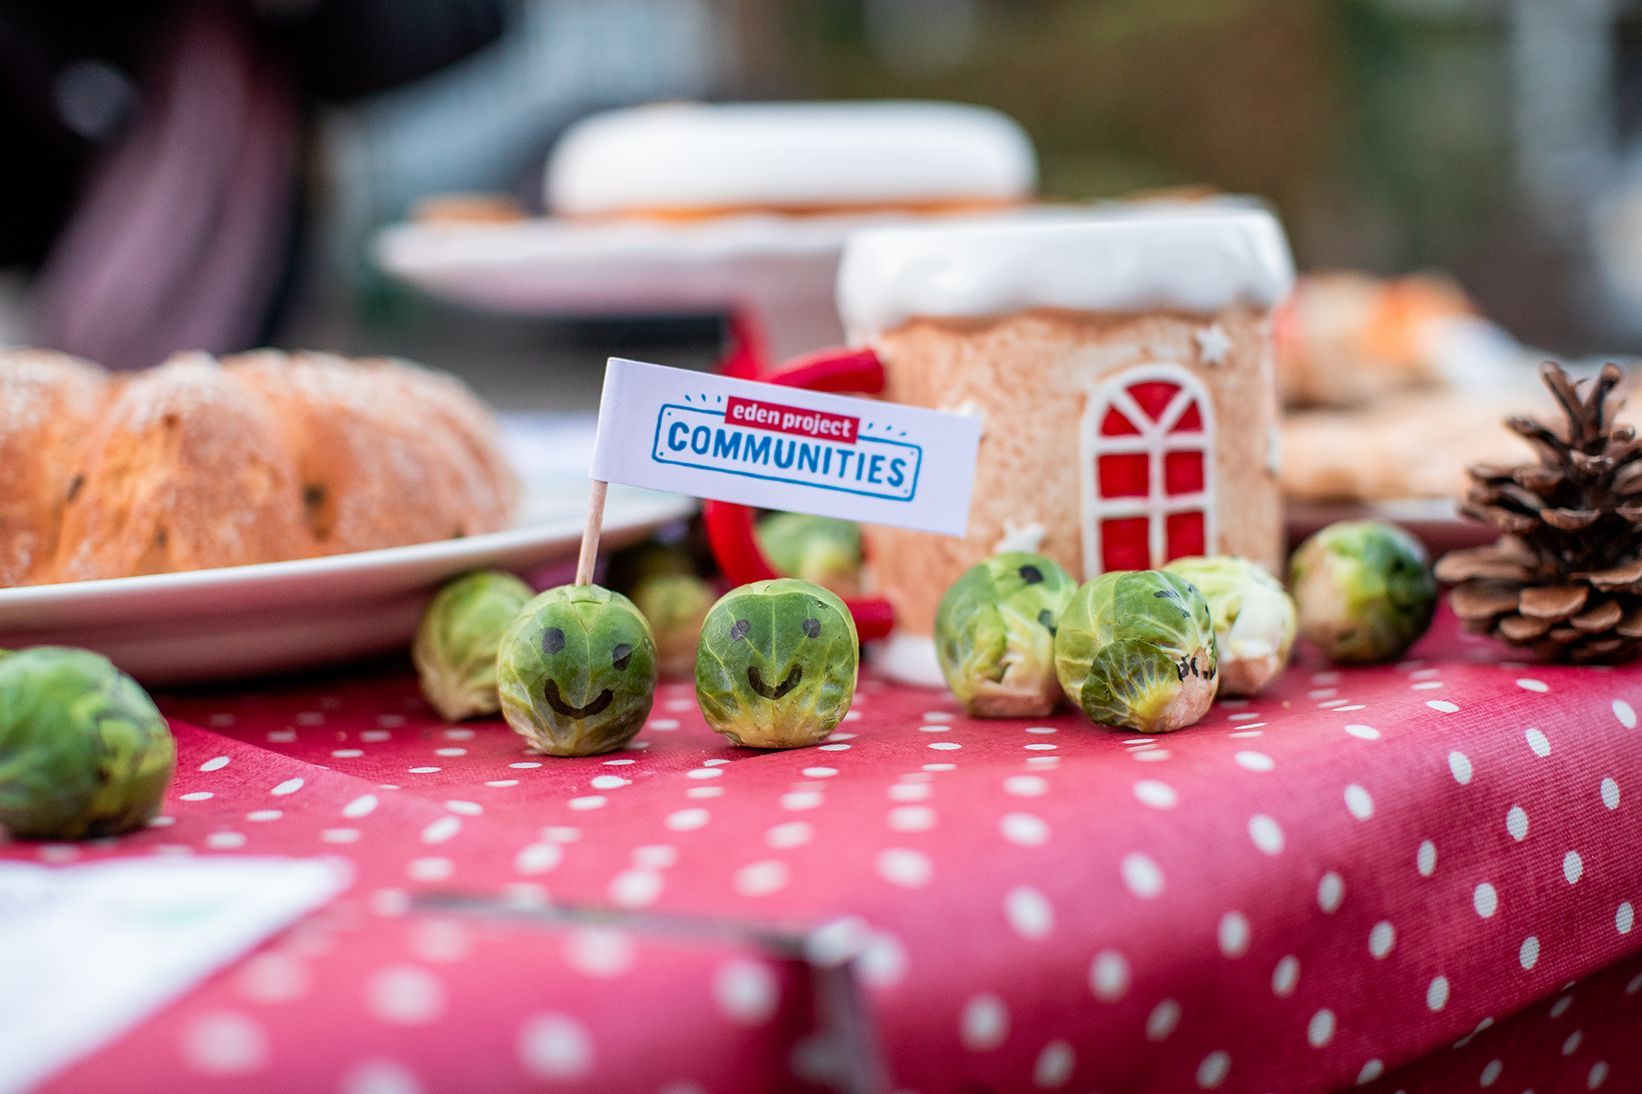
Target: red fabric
<point>1040,902</point>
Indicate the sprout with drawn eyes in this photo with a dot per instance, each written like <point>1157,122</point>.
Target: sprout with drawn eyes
<point>777,663</point>
<point>995,635</point>
<point>1136,649</point>
<point>576,672</point>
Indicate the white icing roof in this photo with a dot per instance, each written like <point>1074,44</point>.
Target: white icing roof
<point>687,155</point>
<point>1185,257</point>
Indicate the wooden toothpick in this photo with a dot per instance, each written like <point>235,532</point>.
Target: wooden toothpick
<point>590,534</point>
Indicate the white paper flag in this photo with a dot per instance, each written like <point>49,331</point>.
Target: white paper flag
<point>785,448</point>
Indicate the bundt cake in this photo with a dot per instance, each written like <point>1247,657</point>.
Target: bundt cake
<point>263,457</point>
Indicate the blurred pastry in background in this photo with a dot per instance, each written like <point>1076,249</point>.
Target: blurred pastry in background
<point>468,209</point>
<point>691,161</point>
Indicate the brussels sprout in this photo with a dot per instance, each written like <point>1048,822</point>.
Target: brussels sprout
<point>776,665</point>
<point>576,673</point>
<point>631,566</point>
<point>995,635</point>
<point>820,550</point>
<point>1253,618</point>
<point>83,751</point>
<point>1136,649</point>
<point>456,642</point>
<point>675,605</point>
<point>1364,590</point>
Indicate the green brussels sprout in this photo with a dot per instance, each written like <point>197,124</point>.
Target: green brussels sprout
<point>631,566</point>
<point>1364,589</point>
<point>1136,649</point>
<point>821,550</point>
<point>456,642</point>
<point>576,672</point>
<point>83,751</point>
<point>1254,619</point>
<point>675,605</point>
<point>777,663</point>
<point>995,635</point>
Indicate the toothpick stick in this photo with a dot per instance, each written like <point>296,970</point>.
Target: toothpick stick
<point>590,534</point>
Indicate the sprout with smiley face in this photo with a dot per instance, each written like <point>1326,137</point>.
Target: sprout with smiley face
<point>995,635</point>
<point>776,665</point>
<point>576,672</point>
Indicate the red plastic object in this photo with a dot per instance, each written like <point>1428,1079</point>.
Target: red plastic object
<point>730,526</point>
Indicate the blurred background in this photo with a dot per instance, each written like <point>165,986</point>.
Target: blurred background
<point>252,151</point>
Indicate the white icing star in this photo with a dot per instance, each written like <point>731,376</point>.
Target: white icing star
<point>1213,343</point>
<point>969,408</point>
<point>1020,537</point>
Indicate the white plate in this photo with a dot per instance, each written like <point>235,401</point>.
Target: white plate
<point>278,616</point>
<point>782,269</point>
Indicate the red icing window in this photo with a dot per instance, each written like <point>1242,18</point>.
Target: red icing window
<point>1148,470</point>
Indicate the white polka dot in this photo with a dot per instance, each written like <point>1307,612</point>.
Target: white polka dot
<point>608,782</point>
<point>1142,875</point>
<point>1610,793</point>
<point>1109,976</point>
<point>1528,952</point>
<point>430,869</point>
<point>985,1023</point>
<point>525,765</point>
<point>1442,705</point>
<point>289,786</point>
<point>1024,828</point>
<point>362,806</point>
<point>789,834</point>
<point>688,820</point>
<point>1029,912</point>
<point>1426,685</point>
<point>224,1043</point>
<point>1158,795</point>
<point>1573,867</point>
<point>1054,1066</point>
<point>225,841</point>
<point>1537,741</point>
<point>704,792</point>
<point>1320,1030</point>
<point>263,816</point>
<point>281,736</point>
<point>1366,733</point>
<point>905,867</point>
<point>1425,860</point>
<point>663,725</point>
<point>1254,761</point>
<point>423,770</point>
<point>1213,1070</point>
<point>1285,975</point>
<point>1560,1007</point>
<point>195,796</point>
<point>272,978</point>
<point>1624,918</point>
<point>945,746</point>
<point>380,1077</point>
<point>346,753</point>
<point>1485,900</point>
<point>1233,934</point>
<point>1459,765</point>
<point>911,818</point>
<point>938,716</point>
<point>1627,716</point>
<point>1359,802</point>
<point>1371,1070</point>
<point>1490,1073</point>
<point>801,799</point>
<point>599,951</point>
<point>442,830</point>
<point>1635,984</point>
<point>1571,1045</point>
<point>405,995</point>
<point>819,772</point>
<point>1331,890</point>
<point>1527,684</point>
<point>1516,822</point>
<point>538,858</point>
<point>636,888</point>
<point>452,751</point>
<point>747,992</point>
<point>1381,938</point>
<point>215,763</point>
<point>555,1046</point>
<point>1163,1020</point>
<point>1026,786</point>
<point>1266,833</point>
<point>1597,1076</point>
<point>339,835</point>
<point>884,961</point>
<point>1436,993</point>
<point>761,878</point>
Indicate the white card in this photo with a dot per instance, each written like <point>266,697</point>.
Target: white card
<point>785,448</point>
<point>86,952</point>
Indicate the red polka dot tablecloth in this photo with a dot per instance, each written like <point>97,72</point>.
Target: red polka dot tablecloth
<point>1424,876</point>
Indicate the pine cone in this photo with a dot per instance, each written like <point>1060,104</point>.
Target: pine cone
<point>1565,577</point>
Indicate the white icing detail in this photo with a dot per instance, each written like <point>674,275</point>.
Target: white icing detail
<point>698,155</point>
<point>1213,343</point>
<point>1020,537</point>
<point>1183,258</point>
<point>909,659</point>
<point>1155,441</point>
<point>1274,450</point>
<point>969,408</point>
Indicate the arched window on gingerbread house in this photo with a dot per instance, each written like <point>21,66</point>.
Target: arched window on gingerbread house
<point>1148,469</point>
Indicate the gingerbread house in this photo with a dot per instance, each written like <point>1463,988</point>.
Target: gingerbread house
<point>1121,364</point>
